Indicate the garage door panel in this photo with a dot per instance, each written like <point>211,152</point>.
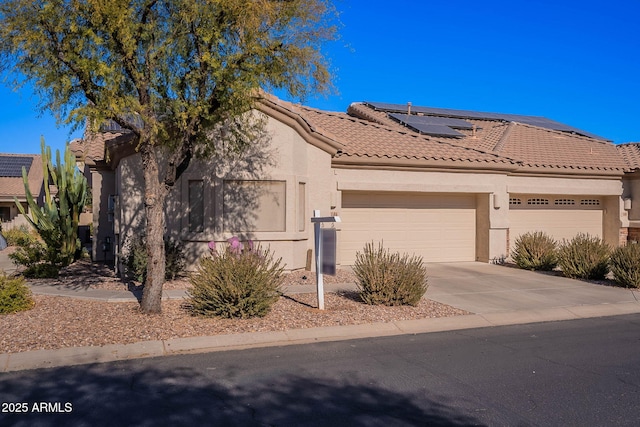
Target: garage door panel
<point>559,224</point>
<point>437,227</point>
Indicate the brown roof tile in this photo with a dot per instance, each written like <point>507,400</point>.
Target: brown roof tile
<point>365,133</point>
<point>532,146</point>
<point>543,148</point>
<point>630,152</point>
<point>366,139</point>
<point>14,186</point>
<point>91,149</point>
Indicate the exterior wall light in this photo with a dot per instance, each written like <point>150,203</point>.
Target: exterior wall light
<point>497,201</point>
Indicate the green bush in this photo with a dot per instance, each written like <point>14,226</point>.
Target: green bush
<point>625,265</point>
<point>14,295</point>
<point>535,251</point>
<point>389,279</point>
<point>174,263</point>
<point>135,258</point>
<point>584,257</point>
<point>235,284</point>
<point>19,236</point>
<point>39,260</point>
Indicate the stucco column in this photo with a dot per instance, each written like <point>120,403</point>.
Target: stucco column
<point>492,226</point>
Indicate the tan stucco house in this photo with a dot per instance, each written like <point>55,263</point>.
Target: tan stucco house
<point>448,185</point>
<point>12,186</point>
<point>631,193</point>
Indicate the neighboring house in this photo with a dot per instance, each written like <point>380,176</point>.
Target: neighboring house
<point>12,186</point>
<point>448,185</point>
<point>631,194</point>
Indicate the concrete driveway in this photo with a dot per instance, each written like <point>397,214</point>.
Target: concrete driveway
<point>485,288</point>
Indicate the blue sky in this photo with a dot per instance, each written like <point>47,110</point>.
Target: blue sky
<point>577,62</point>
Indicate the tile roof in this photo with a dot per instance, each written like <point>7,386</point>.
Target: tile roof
<point>548,149</point>
<point>631,154</point>
<point>533,147</point>
<point>14,186</point>
<point>380,140</point>
<point>91,149</point>
<point>370,136</point>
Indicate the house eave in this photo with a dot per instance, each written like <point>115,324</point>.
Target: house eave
<point>362,162</point>
<point>299,124</point>
<point>557,171</point>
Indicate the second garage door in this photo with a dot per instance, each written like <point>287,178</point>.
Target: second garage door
<point>561,217</point>
<point>440,228</point>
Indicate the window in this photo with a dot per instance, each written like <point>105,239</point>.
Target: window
<point>5,213</point>
<point>254,206</point>
<point>302,203</point>
<point>196,206</point>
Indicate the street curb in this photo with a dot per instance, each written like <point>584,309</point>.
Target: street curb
<point>71,356</point>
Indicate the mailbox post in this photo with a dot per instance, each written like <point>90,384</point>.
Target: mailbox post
<point>317,220</point>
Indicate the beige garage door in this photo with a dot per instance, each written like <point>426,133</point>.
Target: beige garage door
<point>562,217</point>
<point>439,228</point>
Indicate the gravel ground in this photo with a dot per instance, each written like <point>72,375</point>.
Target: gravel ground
<point>58,322</point>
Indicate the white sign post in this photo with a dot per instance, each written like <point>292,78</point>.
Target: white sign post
<point>317,220</point>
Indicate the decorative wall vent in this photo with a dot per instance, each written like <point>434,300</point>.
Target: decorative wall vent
<point>537,201</point>
<point>558,202</point>
<point>515,201</point>
<point>590,202</point>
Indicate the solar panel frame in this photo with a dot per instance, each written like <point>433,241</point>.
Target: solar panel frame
<point>11,166</point>
<point>436,130</point>
<point>538,121</point>
<point>433,120</point>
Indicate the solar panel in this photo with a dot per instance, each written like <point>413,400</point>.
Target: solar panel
<point>432,120</point>
<point>435,130</point>
<point>539,121</point>
<point>389,108</point>
<point>11,166</point>
<point>434,126</point>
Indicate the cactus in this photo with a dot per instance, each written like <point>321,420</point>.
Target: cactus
<point>57,220</point>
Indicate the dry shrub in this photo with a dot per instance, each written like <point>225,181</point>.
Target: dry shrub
<point>389,278</point>
<point>625,265</point>
<point>535,251</point>
<point>235,284</point>
<point>584,257</point>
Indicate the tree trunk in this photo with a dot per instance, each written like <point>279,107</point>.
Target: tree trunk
<point>154,200</point>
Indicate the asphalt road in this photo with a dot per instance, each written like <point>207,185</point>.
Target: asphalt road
<point>573,373</point>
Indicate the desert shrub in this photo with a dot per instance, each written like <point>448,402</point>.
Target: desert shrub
<point>135,258</point>
<point>19,236</point>
<point>39,260</point>
<point>535,251</point>
<point>584,257</point>
<point>386,278</point>
<point>14,295</point>
<point>235,284</point>
<point>625,265</point>
<point>174,262</point>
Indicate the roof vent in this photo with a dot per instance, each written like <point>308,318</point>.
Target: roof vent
<point>409,108</point>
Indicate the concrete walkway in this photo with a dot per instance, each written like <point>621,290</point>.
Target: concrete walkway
<point>496,295</point>
<point>5,263</point>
